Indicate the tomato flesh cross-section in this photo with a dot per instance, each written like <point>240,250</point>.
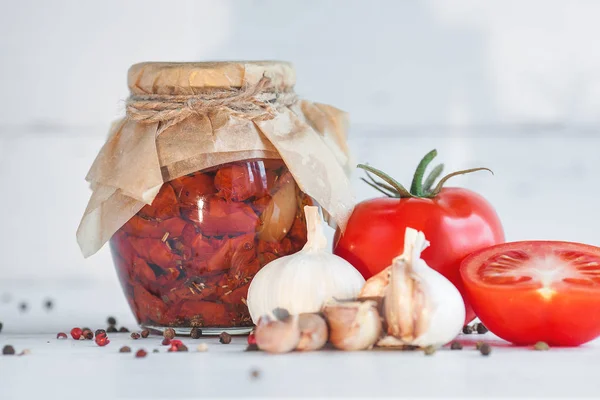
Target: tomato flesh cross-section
<point>526,292</point>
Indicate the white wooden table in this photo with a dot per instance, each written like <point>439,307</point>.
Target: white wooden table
<point>65,369</point>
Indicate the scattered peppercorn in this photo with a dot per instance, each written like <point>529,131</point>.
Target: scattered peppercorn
<point>111,321</point>
<point>155,351</point>
<point>467,329</point>
<point>175,345</point>
<point>429,350</point>
<point>541,346</point>
<point>87,333</point>
<point>225,338</point>
<point>202,347</point>
<point>485,349</point>
<point>61,335</point>
<point>125,349</point>
<point>8,350</point>
<point>195,333</point>
<point>111,329</point>
<point>183,347</point>
<point>99,332</point>
<point>145,333</point>
<point>123,329</point>
<point>478,345</point>
<point>251,338</point>
<point>135,335</point>
<point>141,353</point>
<point>169,333</point>
<point>166,341</point>
<point>48,304</point>
<point>23,306</point>
<point>255,374</point>
<point>102,340</point>
<point>1,326</point>
<point>252,347</point>
<point>481,329</point>
<point>456,346</point>
<point>76,333</point>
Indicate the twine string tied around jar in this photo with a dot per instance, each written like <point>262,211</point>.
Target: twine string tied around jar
<point>169,110</point>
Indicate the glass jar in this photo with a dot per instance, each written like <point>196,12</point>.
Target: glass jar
<point>198,186</point>
<point>187,259</point>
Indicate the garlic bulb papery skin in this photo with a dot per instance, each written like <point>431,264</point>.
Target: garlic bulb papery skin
<point>421,307</point>
<point>304,281</point>
<point>353,325</point>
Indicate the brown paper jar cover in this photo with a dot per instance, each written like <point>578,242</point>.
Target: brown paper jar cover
<point>189,205</point>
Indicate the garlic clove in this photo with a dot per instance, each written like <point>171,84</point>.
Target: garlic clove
<point>421,307</point>
<point>313,332</point>
<point>275,336</point>
<point>376,285</point>
<point>278,217</point>
<point>353,325</point>
<point>406,307</point>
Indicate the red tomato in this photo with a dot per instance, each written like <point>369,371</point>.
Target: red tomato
<point>455,221</point>
<point>526,292</point>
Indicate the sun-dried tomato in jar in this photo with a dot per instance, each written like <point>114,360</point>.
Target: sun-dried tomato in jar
<point>187,259</point>
<point>204,181</point>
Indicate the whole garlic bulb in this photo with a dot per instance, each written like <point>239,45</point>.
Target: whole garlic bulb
<point>421,307</point>
<point>304,281</point>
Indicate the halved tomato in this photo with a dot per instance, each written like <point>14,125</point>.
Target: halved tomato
<point>526,292</point>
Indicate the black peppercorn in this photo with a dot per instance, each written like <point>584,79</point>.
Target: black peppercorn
<point>145,333</point>
<point>23,306</point>
<point>125,349</point>
<point>456,346</point>
<point>111,321</point>
<point>195,333</point>
<point>8,350</point>
<point>485,349</point>
<point>123,329</point>
<point>225,338</point>
<point>88,334</point>
<point>48,304</point>
<point>1,326</point>
<point>169,333</point>
<point>111,329</point>
<point>135,335</point>
<point>182,347</point>
<point>255,374</point>
<point>155,351</point>
<point>252,347</point>
<point>481,329</point>
<point>467,329</point>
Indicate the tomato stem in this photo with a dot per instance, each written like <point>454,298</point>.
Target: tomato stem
<point>416,187</point>
<point>440,184</point>
<point>433,175</point>
<point>419,188</point>
<point>398,188</point>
